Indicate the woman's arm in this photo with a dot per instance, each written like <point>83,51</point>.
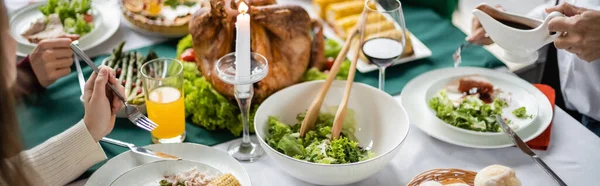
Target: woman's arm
<point>62,158</point>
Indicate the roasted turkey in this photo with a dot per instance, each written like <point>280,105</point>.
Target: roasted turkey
<point>284,34</point>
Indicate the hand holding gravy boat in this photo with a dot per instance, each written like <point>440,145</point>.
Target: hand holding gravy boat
<point>518,35</point>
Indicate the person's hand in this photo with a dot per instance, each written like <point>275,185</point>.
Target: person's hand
<point>477,35</point>
<point>581,31</point>
<point>51,59</point>
<point>100,102</point>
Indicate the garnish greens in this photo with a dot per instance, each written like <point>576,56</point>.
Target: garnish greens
<point>174,3</point>
<point>471,113</point>
<point>167,183</point>
<point>521,113</point>
<point>206,107</point>
<point>316,145</point>
<point>71,14</point>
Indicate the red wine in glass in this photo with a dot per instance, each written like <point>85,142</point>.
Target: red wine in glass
<point>382,51</point>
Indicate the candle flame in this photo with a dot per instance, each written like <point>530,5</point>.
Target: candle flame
<point>243,8</point>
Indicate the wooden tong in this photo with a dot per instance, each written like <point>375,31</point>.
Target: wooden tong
<point>313,111</point>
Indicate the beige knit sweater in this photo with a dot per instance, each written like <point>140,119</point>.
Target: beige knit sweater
<point>63,157</point>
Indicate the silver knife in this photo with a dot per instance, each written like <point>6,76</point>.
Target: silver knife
<point>140,150</point>
<point>523,146</point>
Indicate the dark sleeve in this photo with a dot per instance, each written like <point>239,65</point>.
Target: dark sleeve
<point>443,7</point>
<point>27,83</point>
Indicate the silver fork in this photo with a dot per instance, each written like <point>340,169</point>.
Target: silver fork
<point>457,56</point>
<point>140,150</point>
<point>133,113</point>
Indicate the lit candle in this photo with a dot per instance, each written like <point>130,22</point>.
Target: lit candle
<point>242,44</point>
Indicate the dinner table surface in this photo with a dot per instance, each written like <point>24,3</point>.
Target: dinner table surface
<point>573,153</point>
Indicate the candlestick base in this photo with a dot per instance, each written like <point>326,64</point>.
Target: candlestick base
<point>244,149</point>
<point>249,152</point>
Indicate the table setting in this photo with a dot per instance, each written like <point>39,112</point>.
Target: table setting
<point>321,92</point>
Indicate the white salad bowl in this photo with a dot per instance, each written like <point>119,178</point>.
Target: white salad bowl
<point>382,126</point>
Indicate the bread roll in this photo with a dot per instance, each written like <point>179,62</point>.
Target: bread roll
<point>497,175</point>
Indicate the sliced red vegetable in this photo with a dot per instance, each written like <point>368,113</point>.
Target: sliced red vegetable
<point>123,82</point>
<point>88,18</point>
<point>118,72</point>
<point>188,55</point>
<point>139,92</point>
<point>329,63</point>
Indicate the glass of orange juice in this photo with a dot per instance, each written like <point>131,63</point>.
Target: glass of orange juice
<point>163,87</point>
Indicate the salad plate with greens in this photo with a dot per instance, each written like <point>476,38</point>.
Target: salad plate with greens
<point>521,97</point>
<point>75,19</point>
<point>470,104</point>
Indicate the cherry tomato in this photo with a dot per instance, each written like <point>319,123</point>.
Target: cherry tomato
<point>188,55</point>
<point>88,18</point>
<point>329,63</point>
<point>139,92</point>
<point>123,82</point>
<point>118,73</point>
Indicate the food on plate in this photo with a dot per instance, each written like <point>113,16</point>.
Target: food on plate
<point>344,15</point>
<point>62,19</point>
<point>469,113</point>
<point>521,113</point>
<point>321,5</point>
<point>344,25</point>
<point>316,146</point>
<point>225,180</point>
<point>497,175</point>
<point>126,66</point>
<point>194,177</point>
<point>163,16</point>
<point>474,85</point>
<point>340,10</point>
<point>189,177</point>
<point>212,110</point>
<point>281,33</point>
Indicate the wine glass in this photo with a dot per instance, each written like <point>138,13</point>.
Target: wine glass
<point>384,34</point>
<point>244,150</point>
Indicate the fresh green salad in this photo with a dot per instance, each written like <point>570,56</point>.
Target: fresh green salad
<point>316,145</point>
<point>209,109</point>
<point>74,14</point>
<point>206,107</point>
<point>471,113</point>
<point>521,113</point>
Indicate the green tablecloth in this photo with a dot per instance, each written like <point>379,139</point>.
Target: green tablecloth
<point>59,107</point>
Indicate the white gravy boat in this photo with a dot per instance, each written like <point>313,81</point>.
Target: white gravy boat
<point>518,35</point>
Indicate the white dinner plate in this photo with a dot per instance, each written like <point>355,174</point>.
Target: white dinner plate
<point>104,26</point>
<point>415,92</point>
<point>150,174</point>
<point>128,160</point>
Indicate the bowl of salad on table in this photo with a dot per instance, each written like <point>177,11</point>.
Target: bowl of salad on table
<point>372,133</point>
